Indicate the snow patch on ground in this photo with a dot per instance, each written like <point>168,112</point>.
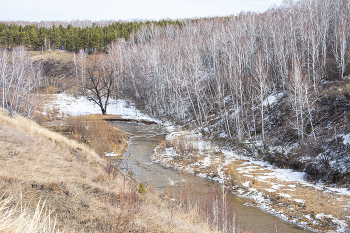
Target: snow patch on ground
<point>246,184</point>
<point>272,99</point>
<point>77,106</point>
<point>322,216</point>
<point>110,154</point>
<point>346,139</point>
<point>284,195</point>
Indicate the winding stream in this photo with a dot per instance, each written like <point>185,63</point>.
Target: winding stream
<point>137,159</point>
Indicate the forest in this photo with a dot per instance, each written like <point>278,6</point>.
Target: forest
<point>274,84</point>
<point>70,36</point>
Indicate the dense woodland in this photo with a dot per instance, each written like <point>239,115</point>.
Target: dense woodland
<point>275,83</point>
<point>70,36</point>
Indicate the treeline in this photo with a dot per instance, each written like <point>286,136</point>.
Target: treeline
<point>226,75</point>
<point>70,36</point>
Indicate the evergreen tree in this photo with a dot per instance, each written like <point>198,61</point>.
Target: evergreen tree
<point>33,39</point>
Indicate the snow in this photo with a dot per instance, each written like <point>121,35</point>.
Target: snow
<point>206,162</point>
<point>246,184</point>
<point>322,216</point>
<point>284,195</point>
<point>110,154</point>
<point>275,186</point>
<point>76,106</point>
<point>279,173</point>
<point>272,99</point>
<point>343,226</point>
<point>346,139</point>
<point>342,191</point>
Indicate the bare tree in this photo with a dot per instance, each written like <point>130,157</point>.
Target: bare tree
<point>302,100</point>
<point>98,86</point>
<point>19,78</point>
<point>3,73</point>
<point>224,68</point>
<point>80,65</point>
<point>260,74</point>
<point>340,45</point>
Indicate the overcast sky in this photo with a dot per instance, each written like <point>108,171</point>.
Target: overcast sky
<point>37,10</point>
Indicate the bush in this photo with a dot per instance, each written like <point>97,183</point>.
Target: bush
<point>142,189</point>
<point>98,134</point>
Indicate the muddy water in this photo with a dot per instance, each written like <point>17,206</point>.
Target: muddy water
<point>137,160</point>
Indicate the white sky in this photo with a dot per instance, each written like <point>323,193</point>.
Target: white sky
<point>37,10</point>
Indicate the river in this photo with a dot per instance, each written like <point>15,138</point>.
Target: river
<point>137,160</point>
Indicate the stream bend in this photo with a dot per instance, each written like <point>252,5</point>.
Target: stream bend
<point>137,159</point>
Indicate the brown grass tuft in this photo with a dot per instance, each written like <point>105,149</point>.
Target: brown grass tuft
<point>14,217</point>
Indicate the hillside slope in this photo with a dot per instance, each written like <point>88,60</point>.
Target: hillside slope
<point>80,189</point>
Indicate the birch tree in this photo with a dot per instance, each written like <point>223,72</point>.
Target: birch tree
<point>19,79</point>
<point>260,73</point>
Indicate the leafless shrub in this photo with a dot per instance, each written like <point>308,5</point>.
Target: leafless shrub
<point>100,135</point>
<point>211,205</point>
<point>111,169</point>
<point>119,211</point>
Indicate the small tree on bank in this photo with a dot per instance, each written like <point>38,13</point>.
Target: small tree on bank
<point>99,86</point>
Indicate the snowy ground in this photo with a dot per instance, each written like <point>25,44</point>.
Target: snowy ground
<point>69,105</point>
<point>282,192</point>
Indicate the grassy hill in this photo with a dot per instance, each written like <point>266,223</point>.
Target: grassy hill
<point>72,185</point>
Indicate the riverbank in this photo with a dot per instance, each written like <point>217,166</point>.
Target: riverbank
<point>81,120</point>
<point>281,192</point>
<point>81,191</point>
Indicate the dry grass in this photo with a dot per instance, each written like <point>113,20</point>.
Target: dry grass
<point>51,54</point>
<point>17,218</point>
<point>188,209</point>
<point>32,129</point>
<point>47,166</point>
<point>99,135</point>
<point>186,148</point>
<point>81,190</point>
<point>91,130</point>
<point>294,200</point>
<point>286,198</point>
